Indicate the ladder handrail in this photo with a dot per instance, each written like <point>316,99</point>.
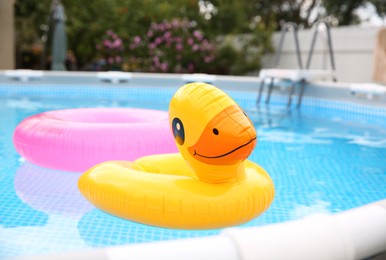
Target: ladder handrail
<point>329,44</point>
<point>287,26</point>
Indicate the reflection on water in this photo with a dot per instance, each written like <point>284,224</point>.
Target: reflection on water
<point>58,234</point>
<point>50,191</point>
<point>369,142</point>
<point>46,211</point>
<point>13,211</point>
<point>282,125</point>
<point>24,103</point>
<point>317,207</point>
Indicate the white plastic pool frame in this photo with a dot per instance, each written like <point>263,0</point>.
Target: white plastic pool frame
<point>359,233</point>
<point>363,93</point>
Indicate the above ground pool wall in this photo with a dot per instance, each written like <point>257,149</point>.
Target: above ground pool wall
<point>324,90</point>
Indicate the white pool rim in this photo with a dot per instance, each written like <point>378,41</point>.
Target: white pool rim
<point>359,233</point>
<point>366,93</point>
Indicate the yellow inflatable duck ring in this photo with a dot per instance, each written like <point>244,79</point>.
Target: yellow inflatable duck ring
<point>209,184</point>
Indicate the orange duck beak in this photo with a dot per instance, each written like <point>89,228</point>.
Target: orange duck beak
<point>227,139</point>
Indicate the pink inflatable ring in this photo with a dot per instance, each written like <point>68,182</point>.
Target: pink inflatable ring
<point>77,139</point>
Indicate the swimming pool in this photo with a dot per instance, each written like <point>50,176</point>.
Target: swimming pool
<point>327,157</point>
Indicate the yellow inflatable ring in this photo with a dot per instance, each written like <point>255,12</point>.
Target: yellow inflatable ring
<point>209,184</point>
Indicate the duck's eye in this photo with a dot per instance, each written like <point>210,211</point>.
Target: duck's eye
<point>215,131</point>
<point>178,131</point>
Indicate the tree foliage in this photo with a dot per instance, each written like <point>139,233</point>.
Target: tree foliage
<point>344,10</point>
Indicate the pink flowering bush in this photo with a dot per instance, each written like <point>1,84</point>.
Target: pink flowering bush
<point>111,51</point>
<point>178,46</point>
<point>175,46</point>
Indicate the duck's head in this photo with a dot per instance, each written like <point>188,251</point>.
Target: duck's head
<point>211,131</point>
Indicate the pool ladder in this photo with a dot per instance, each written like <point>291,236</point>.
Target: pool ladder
<point>286,27</point>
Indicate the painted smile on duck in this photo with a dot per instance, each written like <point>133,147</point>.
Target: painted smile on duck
<point>223,142</point>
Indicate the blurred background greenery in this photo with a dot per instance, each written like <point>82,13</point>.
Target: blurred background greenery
<point>183,36</point>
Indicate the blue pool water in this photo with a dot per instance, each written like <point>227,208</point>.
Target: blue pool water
<point>327,157</point>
